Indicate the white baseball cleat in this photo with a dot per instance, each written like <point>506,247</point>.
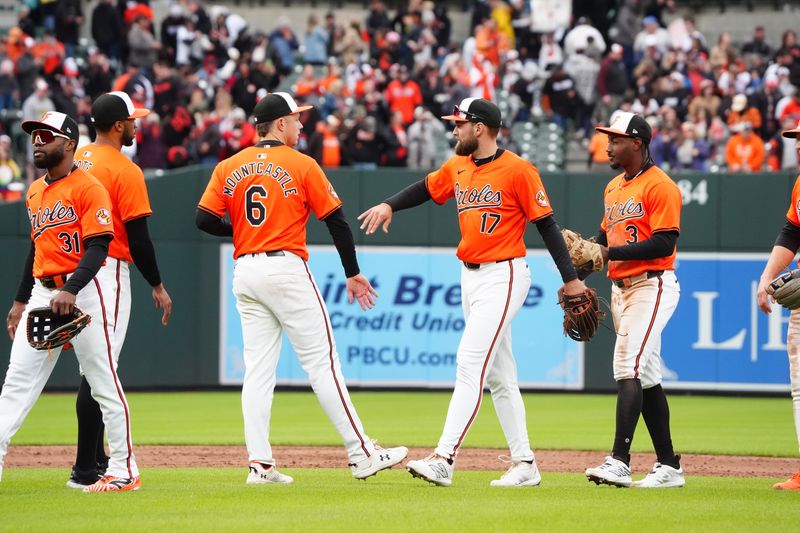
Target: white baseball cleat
<point>520,474</point>
<point>661,477</point>
<point>381,459</point>
<point>611,472</point>
<point>433,469</point>
<point>263,473</point>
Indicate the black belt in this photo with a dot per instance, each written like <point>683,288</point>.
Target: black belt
<point>633,280</point>
<point>53,282</point>
<point>274,253</point>
<point>476,266</point>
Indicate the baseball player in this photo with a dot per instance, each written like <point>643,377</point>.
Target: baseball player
<point>638,236</point>
<point>269,191</point>
<point>114,118</point>
<point>497,194</point>
<point>71,228</point>
<point>783,253</point>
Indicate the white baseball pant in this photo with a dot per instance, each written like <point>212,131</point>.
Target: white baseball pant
<point>277,294</point>
<point>121,272</point>
<point>793,343</point>
<point>641,312</point>
<point>29,369</point>
<point>491,297</point>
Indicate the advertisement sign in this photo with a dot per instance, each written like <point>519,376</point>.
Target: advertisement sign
<point>718,339</point>
<point>411,336</point>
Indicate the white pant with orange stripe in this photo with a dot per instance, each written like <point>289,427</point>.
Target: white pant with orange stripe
<point>29,369</point>
<point>793,342</point>
<point>490,297</point>
<point>120,271</point>
<point>641,313</point>
<point>275,295</point>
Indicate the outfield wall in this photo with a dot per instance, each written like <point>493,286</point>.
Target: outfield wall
<point>716,340</point>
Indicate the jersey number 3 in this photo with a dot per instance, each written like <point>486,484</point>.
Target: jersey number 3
<point>489,222</point>
<point>254,208</point>
<point>633,234</point>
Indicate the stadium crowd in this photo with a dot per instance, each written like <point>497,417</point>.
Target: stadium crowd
<point>380,82</point>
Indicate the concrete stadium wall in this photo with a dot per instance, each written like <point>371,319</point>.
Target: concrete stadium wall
<point>736,213</point>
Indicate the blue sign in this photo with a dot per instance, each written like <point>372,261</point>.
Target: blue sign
<point>411,336</point>
<point>718,339</point>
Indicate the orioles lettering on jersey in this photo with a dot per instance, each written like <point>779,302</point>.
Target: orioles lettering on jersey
<point>63,215</point>
<point>258,168</point>
<point>634,211</point>
<point>495,202</point>
<point>269,192</point>
<point>793,215</point>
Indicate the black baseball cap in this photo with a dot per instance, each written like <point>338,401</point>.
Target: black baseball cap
<point>276,105</point>
<point>630,125</point>
<point>53,121</point>
<point>114,106</point>
<point>476,110</point>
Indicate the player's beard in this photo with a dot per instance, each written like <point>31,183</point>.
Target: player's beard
<point>466,146</point>
<point>49,160</point>
<point>128,135</point>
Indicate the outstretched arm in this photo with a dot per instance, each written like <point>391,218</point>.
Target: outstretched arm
<point>381,214</point>
<point>783,252</point>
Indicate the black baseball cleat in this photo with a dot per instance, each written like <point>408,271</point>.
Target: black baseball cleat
<point>80,479</point>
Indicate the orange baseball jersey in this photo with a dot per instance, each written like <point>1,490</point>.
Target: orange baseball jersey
<point>124,181</point>
<point>495,202</point>
<point>637,209</point>
<point>793,214</point>
<point>63,215</point>
<point>269,192</point>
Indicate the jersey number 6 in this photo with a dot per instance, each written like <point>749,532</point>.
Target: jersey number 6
<point>254,208</point>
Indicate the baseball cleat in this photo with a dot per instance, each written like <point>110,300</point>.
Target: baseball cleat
<point>661,477</point>
<point>793,483</point>
<point>520,474</point>
<point>611,472</point>
<point>381,459</point>
<point>80,479</point>
<point>433,469</point>
<point>265,473</point>
<point>114,484</point>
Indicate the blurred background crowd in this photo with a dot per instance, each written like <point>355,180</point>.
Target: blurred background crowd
<point>380,81</point>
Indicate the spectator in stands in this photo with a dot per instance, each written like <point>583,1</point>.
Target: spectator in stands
<point>612,83</point>
<point>707,101</point>
<point>651,35</point>
<point>152,152</point>
<point>584,70</point>
<point>506,141</point>
<point>789,107</point>
<point>722,54</point>
<point>284,43</point>
<point>49,53</point>
<point>422,139</point>
<point>584,37</point>
<point>365,144</point>
<point>742,111</point>
<point>69,17</point>
<point>758,46</point>
<point>693,151</point>
<point>9,86</point>
<point>664,146</point>
<point>550,53</point>
<point>143,45</point>
<point>377,18</point>
<point>324,144</point>
<point>12,185</point>
<point>598,157</point>
<point>98,75</point>
<point>169,31</point>
<point>351,46</point>
<point>559,97</point>
<point>396,152</point>
<point>316,42</point>
<point>745,151</point>
<point>403,95</point>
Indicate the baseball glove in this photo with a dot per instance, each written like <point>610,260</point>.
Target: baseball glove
<point>786,289</point>
<point>582,314</point>
<point>585,253</point>
<point>47,330</point>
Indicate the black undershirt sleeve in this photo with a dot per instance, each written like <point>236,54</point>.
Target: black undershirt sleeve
<point>343,240</point>
<point>789,237</point>
<point>26,281</point>
<point>551,235</point>
<point>661,244</point>
<point>142,252</point>
<point>95,252</point>
<point>412,196</point>
<point>212,224</point>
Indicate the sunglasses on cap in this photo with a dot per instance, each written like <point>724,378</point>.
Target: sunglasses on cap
<point>46,136</point>
<point>466,115</point>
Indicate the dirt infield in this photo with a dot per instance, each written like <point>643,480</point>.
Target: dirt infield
<point>469,459</point>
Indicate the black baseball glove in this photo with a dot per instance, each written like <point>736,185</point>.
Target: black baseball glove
<point>47,330</point>
<point>582,314</point>
<point>786,289</point>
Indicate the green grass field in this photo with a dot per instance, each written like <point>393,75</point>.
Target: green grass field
<point>33,499</point>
